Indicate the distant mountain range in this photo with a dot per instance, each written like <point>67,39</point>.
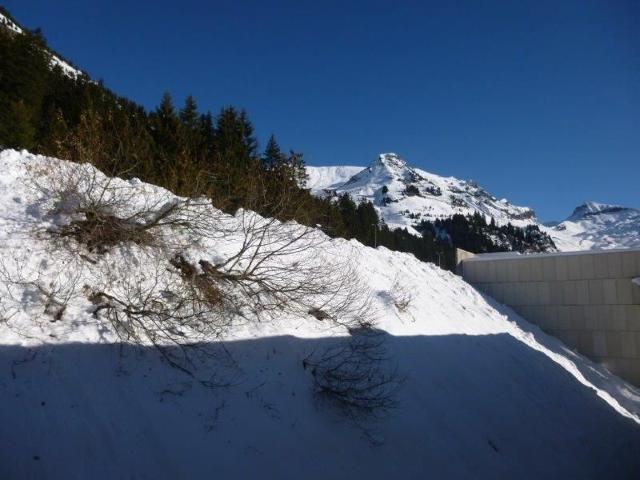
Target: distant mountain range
<point>404,196</point>
<point>597,226</point>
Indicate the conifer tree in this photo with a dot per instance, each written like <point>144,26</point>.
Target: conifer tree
<point>17,130</point>
<point>189,113</point>
<point>272,158</point>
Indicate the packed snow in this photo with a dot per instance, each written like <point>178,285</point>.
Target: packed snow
<point>484,393</point>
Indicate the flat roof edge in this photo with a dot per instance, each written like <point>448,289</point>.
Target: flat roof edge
<point>516,256</point>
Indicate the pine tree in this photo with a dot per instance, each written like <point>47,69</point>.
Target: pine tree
<point>18,130</point>
<point>55,133</point>
<point>189,113</point>
<point>168,139</point>
<point>272,158</point>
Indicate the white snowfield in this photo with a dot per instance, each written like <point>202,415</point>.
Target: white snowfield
<point>322,178</point>
<point>591,226</point>
<point>485,394</point>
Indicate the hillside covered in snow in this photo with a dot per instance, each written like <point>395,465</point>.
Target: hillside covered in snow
<point>145,335</point>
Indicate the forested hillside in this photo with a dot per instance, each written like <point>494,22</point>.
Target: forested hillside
<point>189,150</point>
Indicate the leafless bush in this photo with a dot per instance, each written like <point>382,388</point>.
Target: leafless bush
<point>400,296</point>
<point>151,304</point>
<point>100,212</point>
<point>356,376</point>
<point>283,268</point>
<point>169,298</point>
<point>24,288</point>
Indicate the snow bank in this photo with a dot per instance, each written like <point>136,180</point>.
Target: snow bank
<point>486,395</point>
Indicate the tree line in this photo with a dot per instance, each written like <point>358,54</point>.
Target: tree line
<point>186,150</point>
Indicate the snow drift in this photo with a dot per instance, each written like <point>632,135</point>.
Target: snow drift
<point>483,394</point>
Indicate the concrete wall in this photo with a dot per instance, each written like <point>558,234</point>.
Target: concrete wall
<point>587,299</point>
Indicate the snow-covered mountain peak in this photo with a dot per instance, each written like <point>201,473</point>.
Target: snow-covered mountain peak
<point>390,160</point>
<point>595,225</point>
<point>404,195</point>
<point>588,209</point>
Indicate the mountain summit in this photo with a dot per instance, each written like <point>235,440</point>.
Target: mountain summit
<point>404,195</point>
<point>594,225</point>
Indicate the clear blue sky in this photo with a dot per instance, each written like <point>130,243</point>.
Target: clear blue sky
<point>537,101</point>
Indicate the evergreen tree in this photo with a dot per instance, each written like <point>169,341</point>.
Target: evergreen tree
<point>189,113</point>
<point>272,158</point>
<point>17,130</point>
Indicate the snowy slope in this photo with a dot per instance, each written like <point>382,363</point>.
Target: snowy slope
<point>485,394</point>
<point>55,61</point>
<point>404,195</point>
<point>597,226</point>
<point>321,178</point>
<point>8,23</point>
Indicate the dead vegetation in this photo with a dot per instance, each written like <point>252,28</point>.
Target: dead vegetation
<point>170,293</point>
<point>400,296</point>
<point>31,288</point>
<point>100,212</point>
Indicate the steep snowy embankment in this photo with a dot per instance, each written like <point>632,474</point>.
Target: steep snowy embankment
<point>485,394</point>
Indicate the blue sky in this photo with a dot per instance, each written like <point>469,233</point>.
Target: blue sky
<point>537,101</point>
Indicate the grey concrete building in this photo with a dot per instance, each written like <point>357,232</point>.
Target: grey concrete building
<point>587,299</point>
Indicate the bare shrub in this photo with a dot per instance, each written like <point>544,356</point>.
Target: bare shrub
<point>284,268</point>
<point>100,212</point>
<point>153,305</point>
<point>169,298</point>
<point>400,296</point>
<point>24,287</point>
<point>356,376</point>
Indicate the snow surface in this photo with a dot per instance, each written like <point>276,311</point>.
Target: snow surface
<point>322,178</point>
<point>486,394</point>
<point>9,24</point>
<point>591,226</point>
